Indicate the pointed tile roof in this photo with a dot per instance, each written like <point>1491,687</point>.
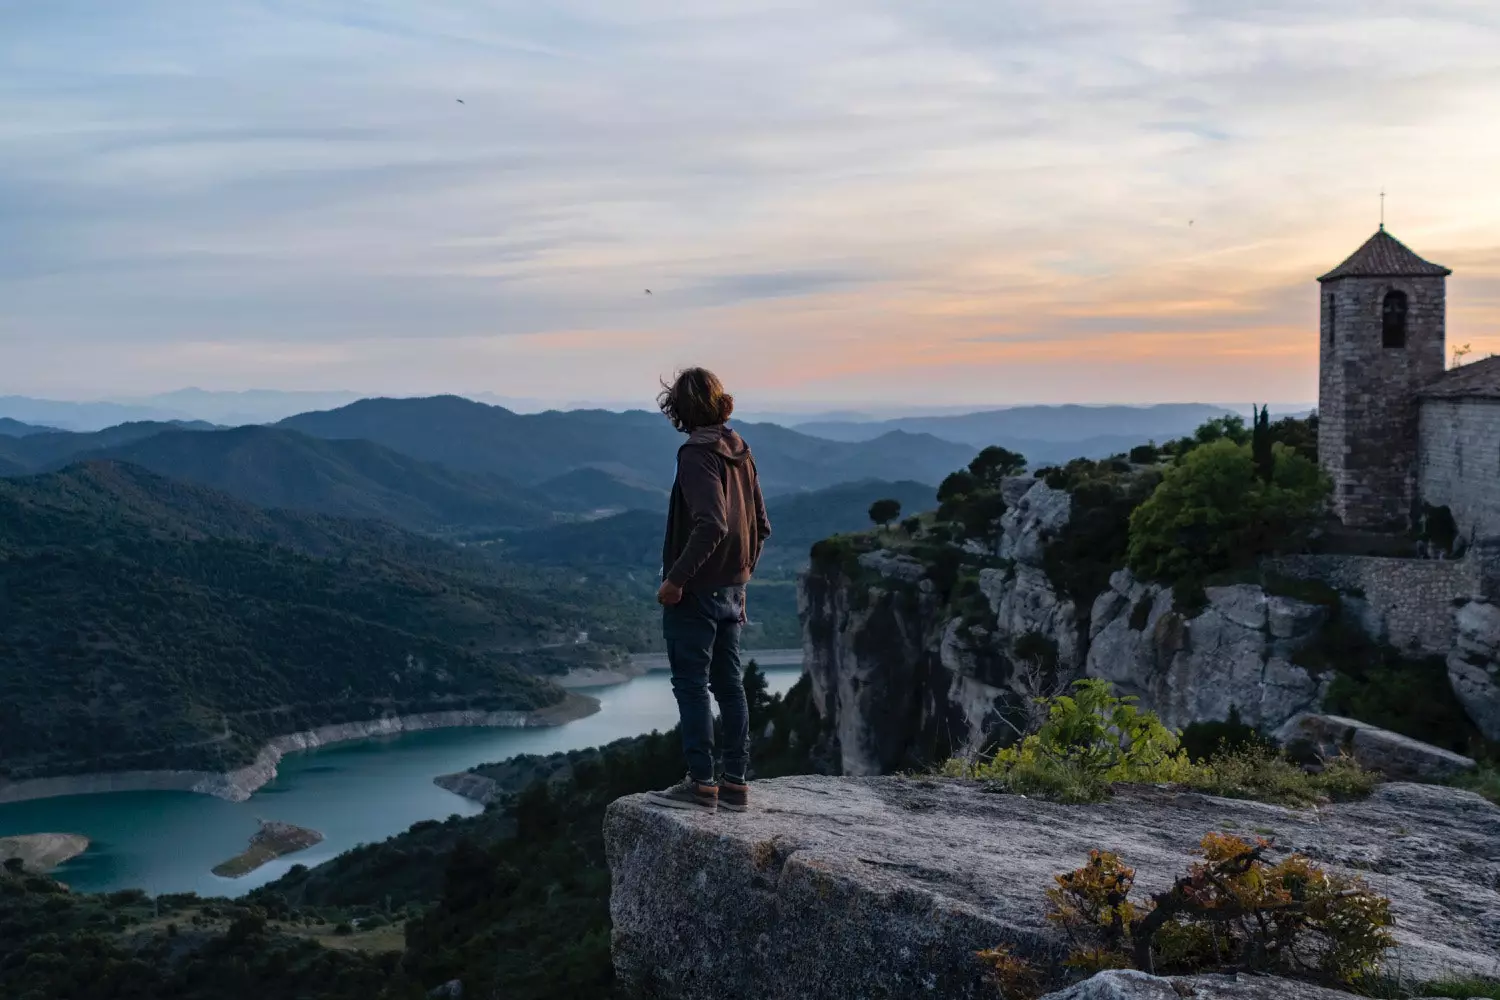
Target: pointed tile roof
<point>1384,256</point>
<point>1475,380</point>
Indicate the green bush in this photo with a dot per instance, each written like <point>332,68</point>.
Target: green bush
<point>1091,738</point>
<point>1145,454</point>
<point>1256,771</point>
<point>1212,512</point>
<point>1088,739</point>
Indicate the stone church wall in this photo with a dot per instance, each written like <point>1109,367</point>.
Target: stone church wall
<point>1407,603</point>
<point>1367,408</point>
<point>1460,467</point>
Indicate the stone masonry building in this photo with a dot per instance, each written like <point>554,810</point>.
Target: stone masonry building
<point>1397,429</point>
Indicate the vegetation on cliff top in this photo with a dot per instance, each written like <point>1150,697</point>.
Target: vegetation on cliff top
<point>1090,738</point>
<point>1217,509</point>
<point>1234,909</point>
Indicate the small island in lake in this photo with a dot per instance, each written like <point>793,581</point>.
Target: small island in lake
<point>271,841</point>
<point>42,852</point>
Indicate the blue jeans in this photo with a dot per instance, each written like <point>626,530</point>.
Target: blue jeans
<point>703,646</point>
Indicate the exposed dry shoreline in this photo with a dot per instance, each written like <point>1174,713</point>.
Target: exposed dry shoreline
<point>240,784</point>
<point>42,852</point>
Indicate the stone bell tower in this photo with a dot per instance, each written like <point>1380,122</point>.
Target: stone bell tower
<point>1383,341</point>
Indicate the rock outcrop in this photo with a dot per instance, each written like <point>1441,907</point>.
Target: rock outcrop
<point>1382,751</point>
<point>897,672</point>
<point>1235,654</point>
<point>1127,984</point>
<point>1474,665</point>
<point>834,888</point>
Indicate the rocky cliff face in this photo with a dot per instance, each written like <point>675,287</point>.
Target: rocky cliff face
<point>1474,665</point>
<point>837,888</point>
<point>1235,654</point>
<point>900,672</point>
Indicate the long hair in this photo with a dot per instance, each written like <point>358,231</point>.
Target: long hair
<point>695,398</point>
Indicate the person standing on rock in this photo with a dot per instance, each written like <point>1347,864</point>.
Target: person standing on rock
<point>716,527</point>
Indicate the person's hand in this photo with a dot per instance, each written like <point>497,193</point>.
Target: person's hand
<point>668,593</point>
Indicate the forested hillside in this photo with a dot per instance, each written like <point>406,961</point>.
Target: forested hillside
<point>148,623</point>
<point>282,468</point>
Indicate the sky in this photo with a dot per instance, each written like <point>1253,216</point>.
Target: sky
<point>946,202</point>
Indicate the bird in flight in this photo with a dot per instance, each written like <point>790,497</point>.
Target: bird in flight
<point>1190,222</point>
<point>648,291</point>
<point>460,100</point>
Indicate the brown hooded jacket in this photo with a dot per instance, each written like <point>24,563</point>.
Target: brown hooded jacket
<point>716,523</point>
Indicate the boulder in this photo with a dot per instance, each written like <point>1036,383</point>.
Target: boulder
<point>1391,754</point>
<point>843,888</point>
<point>1127,984</point>
<point>1474,665</point>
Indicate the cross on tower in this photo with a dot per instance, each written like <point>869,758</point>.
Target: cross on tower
<point>1382,210</point>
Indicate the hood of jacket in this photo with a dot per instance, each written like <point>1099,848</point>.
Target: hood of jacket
<point>720,439</point>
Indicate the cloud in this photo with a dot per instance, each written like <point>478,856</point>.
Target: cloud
<point>263,192</point>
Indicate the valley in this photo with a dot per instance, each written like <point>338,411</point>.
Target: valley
<point>351,793</point>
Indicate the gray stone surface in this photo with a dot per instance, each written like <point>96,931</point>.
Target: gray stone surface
<point>1407,603</point>
<point>1375,749</point>
<point>1127,984</point>
<point>1367,394</point>
<point>866,652</point>
<point>1460,462</point>
<point>1236,654</point>
<point>834,888</point>
<point>1474,665</point>
<point>1024,602</point>
<point>1032,522</point>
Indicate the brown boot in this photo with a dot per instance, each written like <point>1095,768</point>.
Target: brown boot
<point>734,797</point>
<point>687,794</point>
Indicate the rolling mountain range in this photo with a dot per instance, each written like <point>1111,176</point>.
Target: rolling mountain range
<point>150,623</point>
<point>532,448</point>
<point>17,429</point>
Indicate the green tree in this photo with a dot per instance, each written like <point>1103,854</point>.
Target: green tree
<point>1213,512</point>
<point>883,512</point>
<point>993,464</point>
<point>956,486</point>
<point>1260,445</point>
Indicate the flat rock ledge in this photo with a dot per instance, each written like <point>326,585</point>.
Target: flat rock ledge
<point>1127,984</point>
<point>834,888</point>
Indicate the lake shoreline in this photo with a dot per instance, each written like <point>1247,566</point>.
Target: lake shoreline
<point>43,852</point>
<point>241,783</point>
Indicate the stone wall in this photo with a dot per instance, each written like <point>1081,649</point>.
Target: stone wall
<point>1408,603</point>
<point>1460,466</point>
<point>1367,395</point>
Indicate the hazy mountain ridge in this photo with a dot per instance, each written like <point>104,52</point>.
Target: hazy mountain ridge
<point>18,429</point>
<point>1066,423</point>
<point>532,448</point>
